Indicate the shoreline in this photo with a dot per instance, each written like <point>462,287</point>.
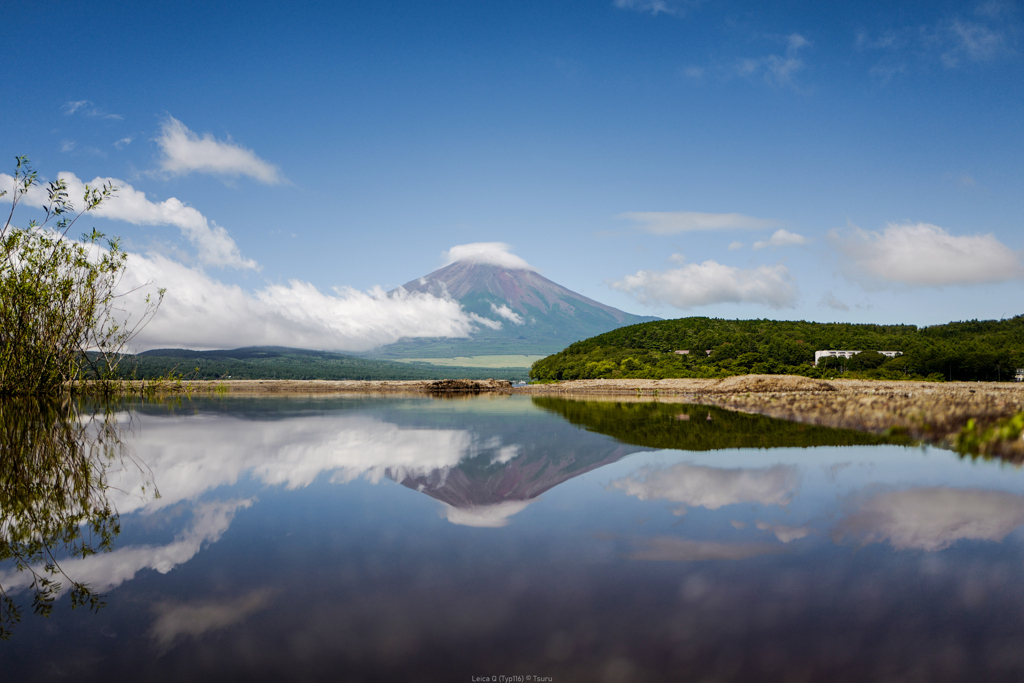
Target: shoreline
<point>934,412</point>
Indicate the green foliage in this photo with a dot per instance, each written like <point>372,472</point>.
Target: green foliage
<point>53,497</point>
<point>973,350</point>
<point>57,296</point>
<point>699,428</point>
<point>271,362</point>
<point>988,440</point>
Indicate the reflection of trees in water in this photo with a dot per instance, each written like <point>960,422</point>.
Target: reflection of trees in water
<point>54,503</point>
<point>700,428</point>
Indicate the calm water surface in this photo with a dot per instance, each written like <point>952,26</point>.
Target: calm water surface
<point>411,539</point>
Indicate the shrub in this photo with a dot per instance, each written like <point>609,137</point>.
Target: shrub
<point>59,318</point>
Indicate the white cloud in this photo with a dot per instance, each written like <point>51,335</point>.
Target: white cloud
<point>786,534</point>
<point>951,42</point>
<point>696,72</point>
<point>781,238</point>
<point>924,255</point>
<point>672,222</point>
<point>485,516</point>
<point>733,246</point>
<point>712,487</point>
<point>670,549</point>
<point>829,300</point>
<point>996,9</point>
<point>777,70</point>
<point>795,41</point>
<point>933,518</point>
<point>885,41</point>
<point>174,620</point>
<point>200,312</point>
<point>86,107</point>
<point>507,313</point>
<point>123,142</point>
<point>71,107</point>
<point>974,41</point>
<point>711,283</point>
<point>67,146</point>
<point>505,454</point>
<point>656,7</point>
<point>185,152</point>
<point>492,253</point>
<point>884,73</point>
<point>214,245</point>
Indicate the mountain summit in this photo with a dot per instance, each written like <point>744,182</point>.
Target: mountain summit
<point>520,311</point>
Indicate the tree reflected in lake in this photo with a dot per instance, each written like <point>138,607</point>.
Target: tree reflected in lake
<point>55,455</point>
<point>500,478</point>
<point>691,427</point>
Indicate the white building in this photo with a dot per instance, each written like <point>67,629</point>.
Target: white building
<point>818,355</point>
<point>1020,375</point>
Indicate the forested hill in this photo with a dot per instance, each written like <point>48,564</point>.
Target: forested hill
<point>985,350</point>
<point>272,362</point>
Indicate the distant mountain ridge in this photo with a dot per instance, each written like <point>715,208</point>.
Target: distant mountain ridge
<point>537,316</point>
<point>276,362</point>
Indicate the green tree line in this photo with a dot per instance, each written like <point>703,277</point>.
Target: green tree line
<point>266,362</point>
<point>975,350</point>
<point>700,428</point>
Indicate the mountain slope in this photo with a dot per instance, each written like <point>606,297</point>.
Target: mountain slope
<point>535,314</point>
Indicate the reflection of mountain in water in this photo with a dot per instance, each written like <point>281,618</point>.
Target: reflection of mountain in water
<point>484,481</point>
<point>700,428</point>
<point>518,470</point>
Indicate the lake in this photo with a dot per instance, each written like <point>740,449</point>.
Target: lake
<point>503,538</point>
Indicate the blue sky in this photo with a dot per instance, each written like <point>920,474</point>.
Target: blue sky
<point>857,162</point>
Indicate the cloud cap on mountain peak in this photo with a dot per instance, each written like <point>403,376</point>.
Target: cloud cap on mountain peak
<point>491,253</point>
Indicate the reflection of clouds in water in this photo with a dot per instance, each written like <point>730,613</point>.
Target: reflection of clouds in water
<point>667,548</point>
<point>712,487</point>
<point>194,619</point>
<point>505,454</point>
<point>932,518</point>
<point>784,533</point>
<point>197,454</point>
<point>491,516</point>
<point>832,471</point>
<point>109,570</point>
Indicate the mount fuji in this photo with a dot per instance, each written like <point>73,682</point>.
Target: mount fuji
<point>519,311</point>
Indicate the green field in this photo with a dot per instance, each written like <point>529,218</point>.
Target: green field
<point>507,361</point>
